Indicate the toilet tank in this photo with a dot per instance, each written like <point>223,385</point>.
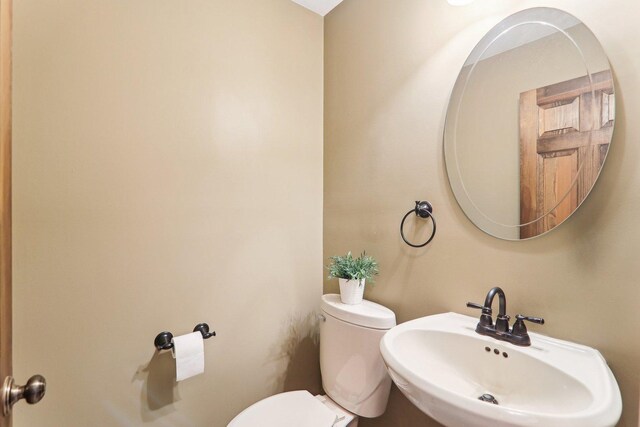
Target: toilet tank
<point>353,372</point>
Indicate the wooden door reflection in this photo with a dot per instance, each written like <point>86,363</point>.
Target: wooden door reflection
<point>565,131</point>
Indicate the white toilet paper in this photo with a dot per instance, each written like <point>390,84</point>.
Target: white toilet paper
<point>188,350</point>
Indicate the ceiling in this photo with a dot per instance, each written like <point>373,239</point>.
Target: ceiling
<point>321,7</point>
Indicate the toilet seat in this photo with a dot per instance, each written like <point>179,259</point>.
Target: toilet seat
<point>292,409</point>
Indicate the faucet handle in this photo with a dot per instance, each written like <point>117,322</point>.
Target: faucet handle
<point>485,318</point>
<point>486,310</point>
<point>538,320</point>
<point>520,329</point>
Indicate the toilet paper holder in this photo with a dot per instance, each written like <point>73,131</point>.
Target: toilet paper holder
<point>163,339</point>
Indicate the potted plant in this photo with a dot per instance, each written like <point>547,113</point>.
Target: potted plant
<point>351,274</point>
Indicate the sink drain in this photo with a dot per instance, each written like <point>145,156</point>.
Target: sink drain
<point>488,398</point>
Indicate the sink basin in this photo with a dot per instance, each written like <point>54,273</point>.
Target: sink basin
<point>443,367</point>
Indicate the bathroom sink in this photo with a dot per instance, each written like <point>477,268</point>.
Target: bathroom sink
<point>444,367</point>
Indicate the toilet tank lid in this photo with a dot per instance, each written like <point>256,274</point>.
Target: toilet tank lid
<point>367,314</point>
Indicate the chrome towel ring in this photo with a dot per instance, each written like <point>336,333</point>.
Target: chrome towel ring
<point>423,210</point>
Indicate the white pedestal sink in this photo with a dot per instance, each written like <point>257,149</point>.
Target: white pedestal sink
<point>443,366</point>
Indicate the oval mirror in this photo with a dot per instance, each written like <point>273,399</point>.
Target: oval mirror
<point>529,123</point>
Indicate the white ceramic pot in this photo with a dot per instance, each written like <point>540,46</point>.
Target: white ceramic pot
<point>351,291</point>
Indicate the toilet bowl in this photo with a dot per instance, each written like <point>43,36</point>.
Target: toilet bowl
<point>353,373</point>
<point>295,408</point>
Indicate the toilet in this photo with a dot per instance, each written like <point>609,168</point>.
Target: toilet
<point>353,373</point>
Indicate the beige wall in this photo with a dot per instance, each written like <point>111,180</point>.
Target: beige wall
<point>168,171</point>
<point>389,69</point>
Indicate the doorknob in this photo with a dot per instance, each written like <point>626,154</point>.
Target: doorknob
<point>32,392</point>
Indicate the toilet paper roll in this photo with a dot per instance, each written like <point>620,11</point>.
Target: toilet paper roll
<point>188,350</point>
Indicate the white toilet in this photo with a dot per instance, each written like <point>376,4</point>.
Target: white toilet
<point>353,373</point>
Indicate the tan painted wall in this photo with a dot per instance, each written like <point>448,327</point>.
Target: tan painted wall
<point>389,69</point>
<point>168,171</point>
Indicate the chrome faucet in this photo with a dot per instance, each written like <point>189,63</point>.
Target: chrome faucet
<point>518,335</point>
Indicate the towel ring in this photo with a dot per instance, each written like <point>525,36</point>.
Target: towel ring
<point>423,210</point>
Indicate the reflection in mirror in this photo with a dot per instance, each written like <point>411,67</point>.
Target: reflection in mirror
<point>529,123</point>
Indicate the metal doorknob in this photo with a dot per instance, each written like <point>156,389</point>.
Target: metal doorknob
<point>32,392</point>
